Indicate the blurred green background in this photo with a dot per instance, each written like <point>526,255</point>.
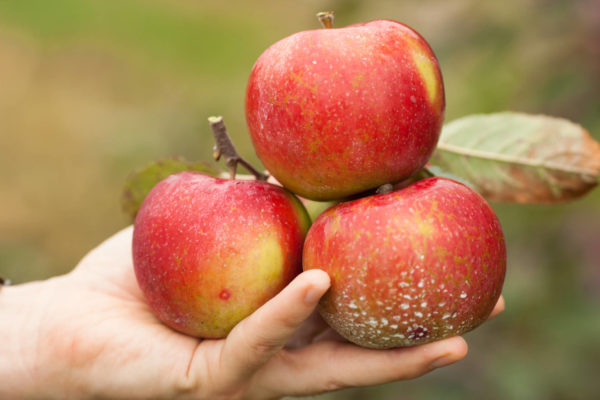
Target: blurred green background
<point>93,89</point>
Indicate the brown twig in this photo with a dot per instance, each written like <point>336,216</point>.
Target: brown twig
<point>326,19</point>
<point>224,147</point>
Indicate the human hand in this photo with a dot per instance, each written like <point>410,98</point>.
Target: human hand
<point>91,334</point>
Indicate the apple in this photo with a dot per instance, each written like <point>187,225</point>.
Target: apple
<point>207,252</point>
<point>408,267</point>
<point>335,112</point>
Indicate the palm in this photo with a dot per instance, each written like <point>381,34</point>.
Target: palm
<point>105,325</point>
<point>119,334</point>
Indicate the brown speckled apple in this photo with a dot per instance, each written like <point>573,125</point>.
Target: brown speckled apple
<point>409,267</point>
<point>207,252</point>
<point>334,112</point>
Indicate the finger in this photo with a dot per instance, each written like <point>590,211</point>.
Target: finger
<point>498,308</point>
<point>311,328</point>
<point>332,365</point>
<point>254,340</point>
<point>110,266</point>
<point>116,247</point>
<point>329,334</point>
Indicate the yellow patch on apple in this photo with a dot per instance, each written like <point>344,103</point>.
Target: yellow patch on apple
<point>267,259</point>
<point>427,71</point>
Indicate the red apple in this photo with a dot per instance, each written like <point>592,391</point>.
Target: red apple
<point>409,267</point>
<point>334,112</point>
<point>207,252</point>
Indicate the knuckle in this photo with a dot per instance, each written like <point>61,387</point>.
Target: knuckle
<point>260,341</point>
<point>332,384</point>
<point>260,345</point>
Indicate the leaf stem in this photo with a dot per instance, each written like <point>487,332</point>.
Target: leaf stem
<point>224,147</point>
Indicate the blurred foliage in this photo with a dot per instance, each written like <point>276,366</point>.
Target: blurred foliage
<point>141,181</point>
<point>94,89</point>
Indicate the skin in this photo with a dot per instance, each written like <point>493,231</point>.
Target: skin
<point>334,112</point>
<point>208,252</point>
<point>90,334</point>
<point>408,267</point>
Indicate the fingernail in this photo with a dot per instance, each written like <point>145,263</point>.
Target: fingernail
<point>312,296</point>
<point>442,361</point>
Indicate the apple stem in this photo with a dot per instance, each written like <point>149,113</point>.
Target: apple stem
<point>385,188</point>
<point>224,147</point>
<point>421,174</point>
<point>326,19</point>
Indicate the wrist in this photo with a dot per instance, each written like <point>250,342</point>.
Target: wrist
<point>21,308</point>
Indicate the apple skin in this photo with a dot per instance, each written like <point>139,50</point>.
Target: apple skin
<point>334,112</point>
<point>207,252</point>
<point>408,267</point>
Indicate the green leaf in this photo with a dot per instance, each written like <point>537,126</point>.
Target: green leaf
<point>139,183</point>
<point>522,158</point>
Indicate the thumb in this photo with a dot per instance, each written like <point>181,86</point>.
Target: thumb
<point>258,337</point>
